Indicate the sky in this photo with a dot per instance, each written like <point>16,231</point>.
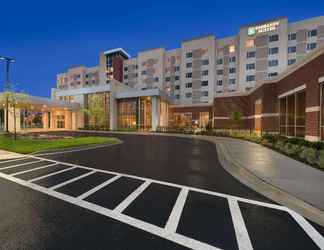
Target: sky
<point>48,37</point>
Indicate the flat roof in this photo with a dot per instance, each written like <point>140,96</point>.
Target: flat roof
<point>117,50</point>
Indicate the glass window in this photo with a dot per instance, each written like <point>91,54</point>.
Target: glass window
<point>189,55</point>
<point>31,119</point>
<point>232,49</point>
<point>189,95</point>
<point>220,82</point>
<point>291,61</point>
<point>232,81</point>
<point>205,62</point>
<point>97,109</point>
<point>219,72</point>
<point>273,63</point>
<point>219,61</point>
<point>312,33</point>
<point>250,78</point>
<point>204,83</point>
<point>60,121</point>
<point>274,38</point>
<point>232,70</point>
<point>249,43</point>
<point>189,75</point>
<point>232,59</point>
<point>292,36</point>
<point>189,65</point>
<point>311,46</point>
<point>273,51</point>
<point>250,54</point>
<point>177,87</point>
<point>250,66</point>
<point>292,49</point>
<point>203,119</point>
<point>204,73</point>
<point>189,85</point>
<point>176,78</point>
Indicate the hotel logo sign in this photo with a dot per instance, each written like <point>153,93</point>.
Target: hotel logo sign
<point>254,30</point>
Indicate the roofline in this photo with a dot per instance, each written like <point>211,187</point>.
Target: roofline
<point>264,21</point>
<point>116,50</point>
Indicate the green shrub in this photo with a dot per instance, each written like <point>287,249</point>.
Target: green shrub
<point>308,154</point>
<point>320,159</point>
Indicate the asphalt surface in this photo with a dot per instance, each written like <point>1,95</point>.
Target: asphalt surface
<point>34,220</point>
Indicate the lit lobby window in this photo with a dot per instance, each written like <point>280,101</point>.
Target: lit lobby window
<point>249,43</point>
<point>232,49</point>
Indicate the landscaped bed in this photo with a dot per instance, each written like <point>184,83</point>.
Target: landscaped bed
<point>30,144</point>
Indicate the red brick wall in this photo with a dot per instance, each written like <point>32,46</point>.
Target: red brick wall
<point>118,68</point>
<point>312,123</point>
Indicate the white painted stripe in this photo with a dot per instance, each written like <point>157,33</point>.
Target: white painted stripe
<point>72,180</point>
<point>122,206</point>
<point>102,185</point>
<point>259,203</point>
<point>292,91</point>
<point>22,164</point>
<point>308,228</point>
<point>30,170</point>
<point>242,235</point>
<point>174,237</point>
<point>15,159</point>
<point>175,215</point>
<point>51,174</point>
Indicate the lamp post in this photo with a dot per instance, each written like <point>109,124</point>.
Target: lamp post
<point>8,61</point>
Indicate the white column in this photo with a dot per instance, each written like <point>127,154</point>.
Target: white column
<point>155,113</point>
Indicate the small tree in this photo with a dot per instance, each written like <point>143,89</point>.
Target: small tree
<point>95,110</point>
<point>236,116</point>
<point>14,101</point>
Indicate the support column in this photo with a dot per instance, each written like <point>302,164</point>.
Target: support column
<point>155,113</point>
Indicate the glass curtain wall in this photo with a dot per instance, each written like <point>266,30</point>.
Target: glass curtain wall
<point>135,113</point>
<point>31,119</point>
<point>97,109</point>
<point>292,115</point>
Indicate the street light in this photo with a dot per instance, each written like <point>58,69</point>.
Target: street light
<point>8,61</point>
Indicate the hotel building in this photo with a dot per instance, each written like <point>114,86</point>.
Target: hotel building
<point>269,72</point>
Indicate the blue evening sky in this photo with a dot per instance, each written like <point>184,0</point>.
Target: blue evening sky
<point>47,37</point>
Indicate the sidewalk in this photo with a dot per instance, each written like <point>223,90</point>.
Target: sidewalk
<point>4,155</point>
<point>289,175</point>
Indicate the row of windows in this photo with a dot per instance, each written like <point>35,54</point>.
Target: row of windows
<point>176,78</point>
<point>231,59</point>
<point>189,94</point>
<point>189,84</point>
<point>310,33</point>
<point>203,73</point>
<point>221,72</point>
<point>230,81</point>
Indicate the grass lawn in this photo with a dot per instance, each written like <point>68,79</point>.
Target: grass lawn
<point>26,145</point>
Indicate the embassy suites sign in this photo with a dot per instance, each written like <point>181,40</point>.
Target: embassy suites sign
<point>254,30</point>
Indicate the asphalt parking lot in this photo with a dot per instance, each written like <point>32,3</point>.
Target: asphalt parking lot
<point>149,192</point>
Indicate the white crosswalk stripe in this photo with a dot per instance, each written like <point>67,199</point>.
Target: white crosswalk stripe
<point>170,230</point>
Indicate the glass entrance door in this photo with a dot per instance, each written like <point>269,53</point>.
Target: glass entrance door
<point>2,116</point>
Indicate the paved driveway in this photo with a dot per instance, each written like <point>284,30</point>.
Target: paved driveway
<point>150,192</point>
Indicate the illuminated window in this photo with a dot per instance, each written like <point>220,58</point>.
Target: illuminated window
<point>232,49</point>
<point>249,43</point>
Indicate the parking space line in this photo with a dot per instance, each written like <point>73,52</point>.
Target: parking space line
<point>175,215</point>
<point>72,180</point>
<point>308,228</point>
<point>48,175</point>
<point>95,189</point>
<point>122,206</point>
<point>22,164</point>
<point>242,235</point>
<point>30,170</point>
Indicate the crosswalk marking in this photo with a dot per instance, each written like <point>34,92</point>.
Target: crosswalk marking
<point>173,221</point>
<point>95,189</point>
<point>71,180</point>
<point>170,230</point>
<point>21,164</point>
<point>33,169</point>
<point>48,175</point>
<point>122,206</point>
<point>242,235</point>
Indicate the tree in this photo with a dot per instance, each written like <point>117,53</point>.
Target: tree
<point>96,109</point>
<point>14,101</point>
<point>236,115</point>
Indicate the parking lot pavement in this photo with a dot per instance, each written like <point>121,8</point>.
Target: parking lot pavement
<point>179,215</point>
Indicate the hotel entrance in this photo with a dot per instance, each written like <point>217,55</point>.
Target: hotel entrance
<point>2,116</point>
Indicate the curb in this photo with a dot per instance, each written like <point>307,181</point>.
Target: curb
<point>267,189</point>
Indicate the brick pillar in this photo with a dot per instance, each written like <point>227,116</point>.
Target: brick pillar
<point>312,124</point>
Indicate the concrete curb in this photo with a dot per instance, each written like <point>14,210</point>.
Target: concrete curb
<point>247,178</point>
